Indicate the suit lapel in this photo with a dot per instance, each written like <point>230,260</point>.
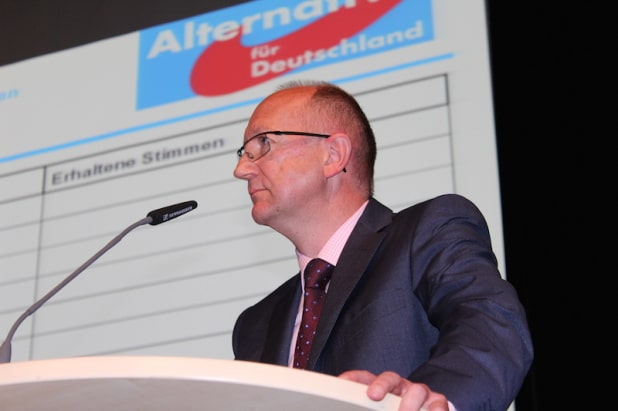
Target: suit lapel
<point>355,257</point>
<point>277,348</point>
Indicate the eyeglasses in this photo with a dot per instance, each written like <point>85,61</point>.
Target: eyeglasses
<point>258,145</point>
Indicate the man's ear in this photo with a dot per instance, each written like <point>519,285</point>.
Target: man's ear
<point>339,153</point>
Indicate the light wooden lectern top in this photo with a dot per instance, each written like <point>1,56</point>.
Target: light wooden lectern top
<point>136,383</point>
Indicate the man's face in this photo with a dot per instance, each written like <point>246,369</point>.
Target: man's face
<point>286,184</point>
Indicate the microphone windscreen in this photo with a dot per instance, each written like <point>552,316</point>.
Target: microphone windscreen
<point>168,213</point>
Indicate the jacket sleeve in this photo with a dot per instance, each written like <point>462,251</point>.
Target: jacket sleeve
<point>484,349</point>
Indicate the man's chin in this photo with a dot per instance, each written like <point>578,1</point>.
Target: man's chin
<point>259,216</point>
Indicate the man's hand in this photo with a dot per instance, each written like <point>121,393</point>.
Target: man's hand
<point>414,396</point>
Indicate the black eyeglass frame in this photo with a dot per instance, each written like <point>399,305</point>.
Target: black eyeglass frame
<point>242,151</point>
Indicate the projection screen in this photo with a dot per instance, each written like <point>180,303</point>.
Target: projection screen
<point>94,137</point>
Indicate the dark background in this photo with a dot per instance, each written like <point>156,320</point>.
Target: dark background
<point>537,56</point>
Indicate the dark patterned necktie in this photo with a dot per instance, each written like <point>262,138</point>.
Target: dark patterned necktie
<point>317,274</point>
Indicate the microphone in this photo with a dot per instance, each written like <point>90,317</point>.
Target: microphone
<point>155,217</point>
<point>164,214</point>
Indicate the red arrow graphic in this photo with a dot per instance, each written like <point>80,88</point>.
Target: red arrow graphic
<point>225,66</point>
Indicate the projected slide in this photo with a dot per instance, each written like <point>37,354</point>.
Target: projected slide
<point>95,137</point>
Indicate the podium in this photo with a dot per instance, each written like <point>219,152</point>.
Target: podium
<point>154,383</point>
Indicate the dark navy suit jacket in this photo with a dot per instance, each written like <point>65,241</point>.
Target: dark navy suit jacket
<point>417,292</point>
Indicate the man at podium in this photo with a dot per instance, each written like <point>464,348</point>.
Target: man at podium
<point>415,304</point>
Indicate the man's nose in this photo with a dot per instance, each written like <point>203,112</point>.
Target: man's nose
<point>243,169</point>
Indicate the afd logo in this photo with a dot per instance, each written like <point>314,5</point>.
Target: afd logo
<point>232,49</point>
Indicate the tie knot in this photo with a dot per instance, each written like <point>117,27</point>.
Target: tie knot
<point>317,273</point>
